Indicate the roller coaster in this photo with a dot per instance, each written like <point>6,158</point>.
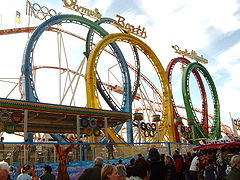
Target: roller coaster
<point>120,96</point>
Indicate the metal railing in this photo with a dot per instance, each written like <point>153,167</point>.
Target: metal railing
<point>22,153</point>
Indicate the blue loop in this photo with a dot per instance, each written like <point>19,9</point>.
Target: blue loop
<point>84,122</point>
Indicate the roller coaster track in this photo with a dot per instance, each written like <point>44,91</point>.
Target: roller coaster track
<point>15,31</point>
<point>101,88</point>
<point>216,129</point>
<point>168,122</point>
<point>204,122</point>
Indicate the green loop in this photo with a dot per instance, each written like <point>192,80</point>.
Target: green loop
<point>7,126</point>
<point>151,133</point>
<point>96,131</point>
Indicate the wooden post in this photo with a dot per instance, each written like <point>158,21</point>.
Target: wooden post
<point>139,131</point>
<point>25,126</point>
<point>78,128</point>
<point>158,130</point>
<point>106,128</point>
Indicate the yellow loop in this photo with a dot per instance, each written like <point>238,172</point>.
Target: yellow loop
<point>88,131</point>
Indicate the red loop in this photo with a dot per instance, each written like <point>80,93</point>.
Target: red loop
<point>100,123</point>
<point>16,117</point>
<point>154,127</point>
<point>189,129</point>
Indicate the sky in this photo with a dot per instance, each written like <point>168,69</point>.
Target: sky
<point>211,28</point>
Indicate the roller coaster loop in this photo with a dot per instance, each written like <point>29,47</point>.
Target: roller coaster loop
<point>168,121</point>
<point>197,132</point>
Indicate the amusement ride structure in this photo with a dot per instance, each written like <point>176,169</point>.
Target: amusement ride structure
<point>125,105</point>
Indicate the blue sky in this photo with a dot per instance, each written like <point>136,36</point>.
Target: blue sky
<point>211,28</point>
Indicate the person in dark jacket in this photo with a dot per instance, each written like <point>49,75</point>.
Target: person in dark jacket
<point>129,167</point>
<point>93,173</point>
<point>47,173</point>
<point>158,168</point>
<point>210,172</point>
<point>170,168</point>
<point>141,170</point>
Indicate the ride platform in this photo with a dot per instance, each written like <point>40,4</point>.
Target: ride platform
<point>53,118</point>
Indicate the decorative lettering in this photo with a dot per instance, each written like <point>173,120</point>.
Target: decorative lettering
<point>193,54</point>
<point>82,10</point>
<point>130,28</point>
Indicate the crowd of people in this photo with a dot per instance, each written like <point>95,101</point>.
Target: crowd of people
<point>156,166</point>
<point>26,172</point>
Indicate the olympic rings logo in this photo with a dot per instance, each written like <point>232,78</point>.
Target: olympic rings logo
<point>185,129</point>
<point>237,123</point>
<point>8,121</point>
<point>40,12</point>
<point>92,126</point>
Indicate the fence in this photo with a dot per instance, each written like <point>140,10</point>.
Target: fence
<point>22,153</point>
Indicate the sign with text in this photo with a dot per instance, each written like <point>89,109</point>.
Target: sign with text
<point>130,28</point>
<point>192,54</point>
<point>80,9</point>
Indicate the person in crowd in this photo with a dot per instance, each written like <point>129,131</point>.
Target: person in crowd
<point>2,155</point>
<point>179,163</point>
<point>210,172</point>
<point>221,165</point>
<point>129,167</point>
<point>234,174</point>
<point>25,171</point>
<point>141,170</point>
<point>170,168</point>
<point>203,162</point>
<point>158,169</point>
<point>140,155</point>
<point>47,173</point>
<point>122,175</point>
<point>12,172</point>
<point>4,170</point>
<point>93,173</point>
<point>151,150</point>
<point>188,160</point>
<point>193,168</point>
<point>109,172</point>
<point>110,149</point>
<point>120,161</point>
